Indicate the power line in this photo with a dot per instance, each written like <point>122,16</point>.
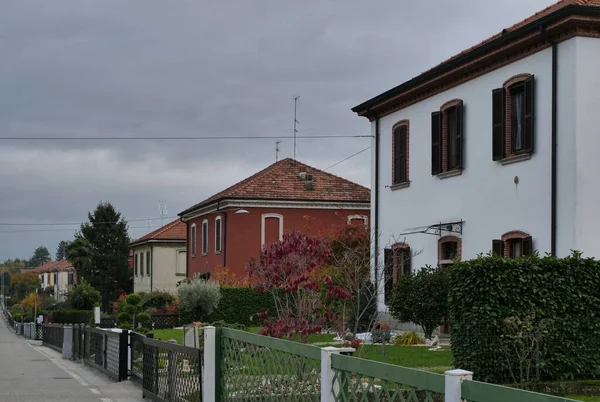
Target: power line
<point>64,230</point>
<point>195,138</point>
<point>80,223</point>
<point>345,159</point>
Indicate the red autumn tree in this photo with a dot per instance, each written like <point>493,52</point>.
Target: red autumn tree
<point>285,269</point>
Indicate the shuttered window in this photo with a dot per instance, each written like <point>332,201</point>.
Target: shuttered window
<point>454,136</point>
<point>513,247</point>
<point>513,117</point>
<point>205,237</point>
<point>436,143</point>
<point>400,150</point>
<point>388,274</point>
<point>218,234</point>
<point>148,263</point>
<point>135,263</point>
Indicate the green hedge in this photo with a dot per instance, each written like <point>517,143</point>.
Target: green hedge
<point>240,306</point>
<point>490,300</point>
<point>72,316</point>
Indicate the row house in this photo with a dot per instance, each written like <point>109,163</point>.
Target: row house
<point>229,228</point>
<point>493,150</point>
<point>58,275</point>
<point>159,258</point>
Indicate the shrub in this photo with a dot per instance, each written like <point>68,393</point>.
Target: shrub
<point>143,317</point>
<point>198,298</point>
<point>498,306</point>
<point>72,316</point>
<point>156,299</point>
<point>409,339</point>
<point>84,296</point>
<point>240,305</point>
<point>126,325</point>
<point>422,298</point>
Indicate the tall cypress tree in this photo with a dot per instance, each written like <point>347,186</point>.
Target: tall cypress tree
<point>107,234</point>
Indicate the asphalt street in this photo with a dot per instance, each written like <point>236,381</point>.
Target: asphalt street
<point>30,372</point>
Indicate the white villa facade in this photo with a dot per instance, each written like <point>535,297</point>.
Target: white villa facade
<point>494,150</point>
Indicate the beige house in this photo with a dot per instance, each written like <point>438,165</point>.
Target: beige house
<point>59,275</point>
<point>159,259</point>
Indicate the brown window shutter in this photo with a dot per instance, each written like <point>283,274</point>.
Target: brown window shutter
<point>388,274</point>
<point>498,128</point>
<point>436,143</point>
<point>498,247</point>
<point>400,140</point>
<point>529,114</point>
<point>527,246</point>
<point>406,255</point>
<point>460,133</point>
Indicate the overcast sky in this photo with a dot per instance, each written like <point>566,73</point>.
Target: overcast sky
<point>198,68</point>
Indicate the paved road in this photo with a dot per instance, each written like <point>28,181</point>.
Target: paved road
<point>28,375</point>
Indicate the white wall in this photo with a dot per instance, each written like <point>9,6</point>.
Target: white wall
<point>163,269</point>
<point>587,217</point>
<point>485,195</point>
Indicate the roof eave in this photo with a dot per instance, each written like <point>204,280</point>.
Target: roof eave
<point>365,109</point>
<point>154,241</point>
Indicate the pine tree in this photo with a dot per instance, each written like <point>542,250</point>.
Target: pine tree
<point>109,271</point>
<point>61,250</point>
<point>41,255</point>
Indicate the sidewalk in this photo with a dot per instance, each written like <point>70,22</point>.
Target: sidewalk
<point>30,372</point>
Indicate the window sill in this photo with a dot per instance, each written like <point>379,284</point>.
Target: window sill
<point>399,186</point>
<point>193,255</point>
<point>204,254</point>
<point>514,159</point>
<point>217,252</point>
<point>449,173</point>
<point>178,274</point>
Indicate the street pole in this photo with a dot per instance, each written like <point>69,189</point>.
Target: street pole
<point>35,307</point>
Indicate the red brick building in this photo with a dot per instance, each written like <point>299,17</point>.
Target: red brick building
<point>230,227</point>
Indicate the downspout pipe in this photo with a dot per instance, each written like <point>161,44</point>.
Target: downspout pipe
<point>553,219</point>
<point>151,265</point>
<point>375,219</point>
<point>554,145</point>
<point>187,247</point>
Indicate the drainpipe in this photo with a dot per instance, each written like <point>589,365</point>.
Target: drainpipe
<point>187,247</point>
<point>223,230</point>
<point>376,202</point>
<point>151,265</point>
<point>554,148</point>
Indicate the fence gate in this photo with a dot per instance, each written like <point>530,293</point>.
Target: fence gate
<point>167,372</point>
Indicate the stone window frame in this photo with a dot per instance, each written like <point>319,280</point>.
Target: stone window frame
<point>445,134</point>
<point>399,249</point>
<point>448,239</point>
<point>398,185</point>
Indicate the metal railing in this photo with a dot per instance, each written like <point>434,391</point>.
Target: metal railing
<point>106,351</point>
<point>255,366</point>
<point>168,372</point>
<point>52,336</point>
<point>31,330</point>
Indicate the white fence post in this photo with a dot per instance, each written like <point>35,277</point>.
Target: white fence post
<point>454,379</point>
<point>67,348</point>
<point>209,385</point>
<point>328,388</point>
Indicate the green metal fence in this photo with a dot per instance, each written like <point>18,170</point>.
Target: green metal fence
<point>364,380</point>
<point>255,367</point>
<point>475,391</point>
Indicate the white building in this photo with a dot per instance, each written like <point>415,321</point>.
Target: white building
<point>58,275</point>
<point>493,149</point>
<point>159,259</point>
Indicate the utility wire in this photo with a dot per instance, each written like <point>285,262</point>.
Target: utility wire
<point>63,230</point>
<point>226,137</point>
<point>80,223</point>
<point>345,159</point>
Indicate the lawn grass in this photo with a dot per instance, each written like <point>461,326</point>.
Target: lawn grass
<point>408,356</point>
<point>167,334</point>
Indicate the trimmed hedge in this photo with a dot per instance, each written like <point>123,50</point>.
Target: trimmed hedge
<point>498,306</point>
<point>72,316</point>
<point>241,305</point>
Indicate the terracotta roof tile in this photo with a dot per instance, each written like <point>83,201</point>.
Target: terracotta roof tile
<point>52,266</point>
<point>281,181</point>
<point>175,230</point>
<point>540,14</point>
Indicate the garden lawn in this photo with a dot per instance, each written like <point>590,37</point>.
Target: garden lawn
<point>167,334</point>
<point>409,356</point>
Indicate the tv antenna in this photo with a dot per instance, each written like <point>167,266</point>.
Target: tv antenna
<point>162,209</point>
<point>295,122</point>
<point>277,150</point>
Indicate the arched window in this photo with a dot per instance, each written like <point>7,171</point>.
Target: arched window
<point>358,219</point>
<point>449,250</point>
<point>218,235</point>
<point>447,133</point>
<point>205,237</point>
<point>397,262</point>
<point>513,244</point>
<point>400,154</point>
<point>267,234</point>
<point>192,241</point>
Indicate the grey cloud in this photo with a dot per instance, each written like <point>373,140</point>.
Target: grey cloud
<point>186,68</point>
